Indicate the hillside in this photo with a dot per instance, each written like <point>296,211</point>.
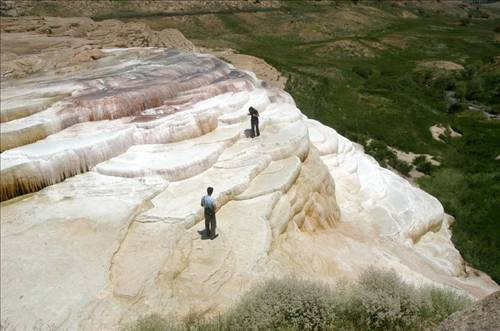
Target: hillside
<point>101,221</point>
<point>384,74</point>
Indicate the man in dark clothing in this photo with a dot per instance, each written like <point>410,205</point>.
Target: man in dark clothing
<point>254,121</point>
<point>208,203</point>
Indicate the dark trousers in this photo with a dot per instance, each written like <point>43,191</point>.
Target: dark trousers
<point>255,127</point>
<point>210,225</point>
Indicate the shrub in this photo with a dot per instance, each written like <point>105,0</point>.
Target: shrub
<point>423,12</point>
<point>385,156</point>
<point>419,160</point>
<point>363,72</point>
<point>401,166</point>
<point>356,137</point>
<point>192,322</point>
<point>406,81</point>
<point>284,304</point>
<point>495,110</point>
<point>474,89</point>
<point>424,78</point>
<point>437,304</point>
<point>497,29</point>
<point>456,108</point>
<point>464,21</point>
<point>150,323</point>
<point>443,137</point>
<point>379,300</point>
<point>447,83</point>
<point>438,79</point>
<point>422,165</point>
<point>460,90</point>
<point>379,151</point>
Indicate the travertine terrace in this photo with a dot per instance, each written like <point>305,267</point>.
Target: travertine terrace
<point>103,170</point>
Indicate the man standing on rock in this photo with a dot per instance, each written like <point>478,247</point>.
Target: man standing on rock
<point>254,121</point>
<point>208,203</point>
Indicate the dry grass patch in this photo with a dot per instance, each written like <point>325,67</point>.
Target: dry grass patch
<point>346,47</point>
<point>440,65</point>
<point>396,41</point>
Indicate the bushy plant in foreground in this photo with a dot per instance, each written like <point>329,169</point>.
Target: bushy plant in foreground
<point>150,323</point>
<point>437,304</point>
<point>285,304</point>
<point>379,300</point>
<point>192,322</point>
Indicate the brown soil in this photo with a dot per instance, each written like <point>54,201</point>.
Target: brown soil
<point>261,68</point>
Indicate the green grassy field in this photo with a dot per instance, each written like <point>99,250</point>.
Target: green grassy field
<point>377,92</point>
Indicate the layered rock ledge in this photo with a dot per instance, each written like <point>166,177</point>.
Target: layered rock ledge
<point>102,179</point>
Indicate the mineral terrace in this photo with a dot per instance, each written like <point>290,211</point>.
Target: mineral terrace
<point>103,168</point>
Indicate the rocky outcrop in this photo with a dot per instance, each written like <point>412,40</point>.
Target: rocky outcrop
<point>484,315</point>
<point>31,45</point>
<point>102,173</point>
<point>124,158</point>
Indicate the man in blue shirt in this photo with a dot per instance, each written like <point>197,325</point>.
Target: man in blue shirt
<point>208,203</point>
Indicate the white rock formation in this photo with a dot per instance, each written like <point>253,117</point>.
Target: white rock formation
<point>102,187</point>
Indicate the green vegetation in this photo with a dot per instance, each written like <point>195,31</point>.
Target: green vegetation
<point>379,300</point>
<point>124,13</point>
<point>376,89</point>
<point>422,165</point>
<point>386,157</point>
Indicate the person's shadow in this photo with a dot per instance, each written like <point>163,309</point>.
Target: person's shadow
<point>248,133</point>
<point>204,235</point>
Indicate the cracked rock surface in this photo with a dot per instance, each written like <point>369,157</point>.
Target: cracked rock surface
<point>101,191</point>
